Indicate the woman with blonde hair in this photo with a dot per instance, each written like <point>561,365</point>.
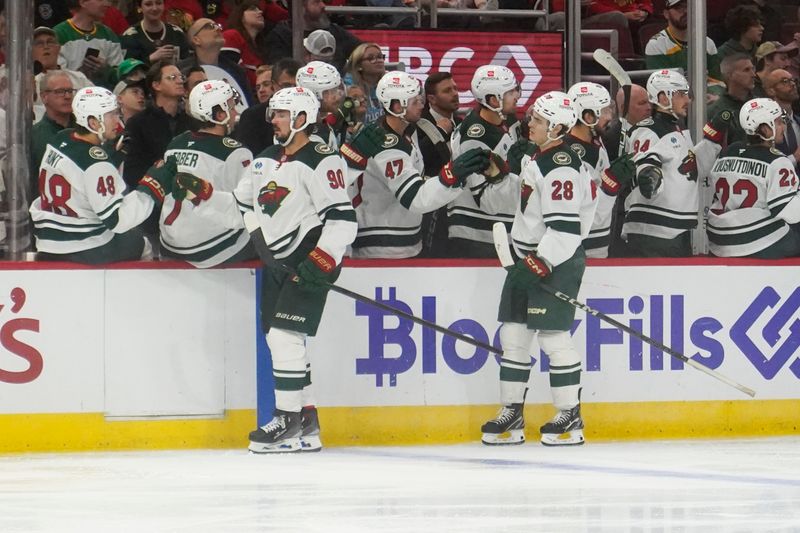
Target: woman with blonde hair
<point>365,68</point>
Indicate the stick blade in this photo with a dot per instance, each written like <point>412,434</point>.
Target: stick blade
<point>500,237</point>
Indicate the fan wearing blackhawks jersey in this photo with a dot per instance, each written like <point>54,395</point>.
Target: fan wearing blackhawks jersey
<point>325,82</point>
<point>755,190</point>
<point>389,192</point>
<point>297,190</point>
<point>206,151</point>
<point>661,210</point>
<point>486,199</point>
<point>82,213</point>
<point>555,213</point>
<point>589,100</point>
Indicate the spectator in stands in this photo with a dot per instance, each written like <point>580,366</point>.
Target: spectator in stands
<point>770,17</point>
<point>183,13</point>
<point>56,92</point>
<point>264,90</point>
<point>149,132</point>
<point>274,12</point>
<point>87,44</point>
<point>782,87</point>
<point>205,37</point>
<point>114,18</point>
<point>243,35</point>
<point>771,56</point>
<point>130,98</point>
<point>366,67</point>
<point>745,29</point>
<point>668,48</point>
<point>45,51</point>
<point>319,46</point>
<point>635,12</point>
<point>49,12</point>
<point>739,75</point>
<point>279,40</point>
<point>152,39</point>
<point>132,70</point>
<point>193,75</point>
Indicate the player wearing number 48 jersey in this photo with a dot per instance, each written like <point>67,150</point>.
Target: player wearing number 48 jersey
<point>82,214</point>
<point>297,190</point>
<point>209,153</point>
<point>555,213</point>
<point>755,191</point>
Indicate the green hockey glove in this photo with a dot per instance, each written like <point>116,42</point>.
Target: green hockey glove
<point>316,270</point>
<point>528,271</point>
<point>618,175</point>
<point>498,168</point>
<point>456,172</point>
<point>367,143</point>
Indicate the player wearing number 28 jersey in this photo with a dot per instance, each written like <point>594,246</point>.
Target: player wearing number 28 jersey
<point>755,191</point>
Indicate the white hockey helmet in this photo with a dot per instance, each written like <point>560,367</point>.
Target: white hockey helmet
<point>588,96</point>
<point>296,100</point>
<point>206,96</point>
<point>665,81</point>
<point>400,86</point>
<point>558,109</point>
<point>760,111</point>
<point>318,77</point>
<point>93,102</point>
<point>492,80</point>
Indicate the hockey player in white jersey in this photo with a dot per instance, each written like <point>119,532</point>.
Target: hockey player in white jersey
<point>661,210</point>
<point>755,190</point>
<point>82,213</point>
<point>297,190</point>
<point>389,192</point>
<point>555,213</point>
<point>589,101</point>
<point>324,81</point>
<point>485,200</point>
<point>206,151</point>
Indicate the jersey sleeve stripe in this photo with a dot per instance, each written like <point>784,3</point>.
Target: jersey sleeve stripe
<point>782,199</point>
<point>347,215</point>
<point>564,226</point>
<point>410,182</point>
<point>411,192</point>
<point>744,236</point>
<point>242,205</point>
<point>105,213</point>
<point>338,205</point>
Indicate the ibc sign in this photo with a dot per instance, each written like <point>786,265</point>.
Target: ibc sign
<point>535,58</point>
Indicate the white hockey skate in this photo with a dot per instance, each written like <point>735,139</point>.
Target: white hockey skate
<point>279,435</point>
<point>565,429</point>
<point>309,439</point>
<point>507,428</point>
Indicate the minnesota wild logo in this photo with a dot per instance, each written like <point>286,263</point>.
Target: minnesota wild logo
<point>271,196</point>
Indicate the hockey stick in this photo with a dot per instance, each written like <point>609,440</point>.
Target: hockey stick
<point>504,254</point>
<point>254,229</point>
<point>613,67</point>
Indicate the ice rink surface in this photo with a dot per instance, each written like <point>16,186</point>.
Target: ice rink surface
<point>666,486</point>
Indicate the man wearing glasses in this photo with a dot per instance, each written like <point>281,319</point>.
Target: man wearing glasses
<point>781,87</point>
<point>56,93</point>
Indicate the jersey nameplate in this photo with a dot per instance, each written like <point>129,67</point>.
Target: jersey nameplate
<point>562,158</point>
<point>231,143</point>
<point>95,152</point>
<point>476,131</point>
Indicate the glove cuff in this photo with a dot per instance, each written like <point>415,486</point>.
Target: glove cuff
<point>536,265</point>
<point>322,260</point>
<point>447,177</point>
<point>609,183</point>
<point>712,134</point>
<point>353,156</point>
<point>152,187</point>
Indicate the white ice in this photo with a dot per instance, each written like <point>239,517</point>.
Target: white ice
<point>677,486</point>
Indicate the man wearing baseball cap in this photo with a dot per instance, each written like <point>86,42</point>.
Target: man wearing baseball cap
<point>45,52</point>
<point>771,56</point>
<point>319,46</point>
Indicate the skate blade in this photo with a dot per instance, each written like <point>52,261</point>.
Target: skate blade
<point>286,446</point>
<point>571,438</point>
<point>509,438</point>
<point>310,444</point>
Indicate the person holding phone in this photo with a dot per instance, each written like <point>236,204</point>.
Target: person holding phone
<point>87,44</point>
<point>151,39</point>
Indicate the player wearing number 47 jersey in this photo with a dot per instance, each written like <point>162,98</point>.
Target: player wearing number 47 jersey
<point>297,190</point>
<point>557,205</point>
<point>755,191</point>
<point>209,153</point>
<point>82,214</point>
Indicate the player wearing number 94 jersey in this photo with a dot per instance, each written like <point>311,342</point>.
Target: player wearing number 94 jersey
<point>82,213</point>
<point>755,191</point>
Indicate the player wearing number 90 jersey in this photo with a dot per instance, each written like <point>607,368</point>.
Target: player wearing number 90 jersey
<point>755,191</point>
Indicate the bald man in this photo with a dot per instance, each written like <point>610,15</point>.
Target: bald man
<point>781,87</point>
<point>638,109</point>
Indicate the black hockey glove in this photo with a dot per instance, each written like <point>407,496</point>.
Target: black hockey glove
<point>528,271</point>
<point>367,143</point>
<point>498,168</point>
<point>316,270</point>
<point>617,176</point>
<point>456,172</point>
<point>649,180</point>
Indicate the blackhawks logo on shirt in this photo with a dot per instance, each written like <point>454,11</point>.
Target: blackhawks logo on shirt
<point>271,196</point>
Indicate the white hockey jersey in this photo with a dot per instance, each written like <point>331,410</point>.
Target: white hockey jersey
<point>673,208</point>
<point>291,195</point>
<point>184,233</point>
<point>557,205</point>
<point>391,196</point>
<point>755,200</point>
<point>81,204</point>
